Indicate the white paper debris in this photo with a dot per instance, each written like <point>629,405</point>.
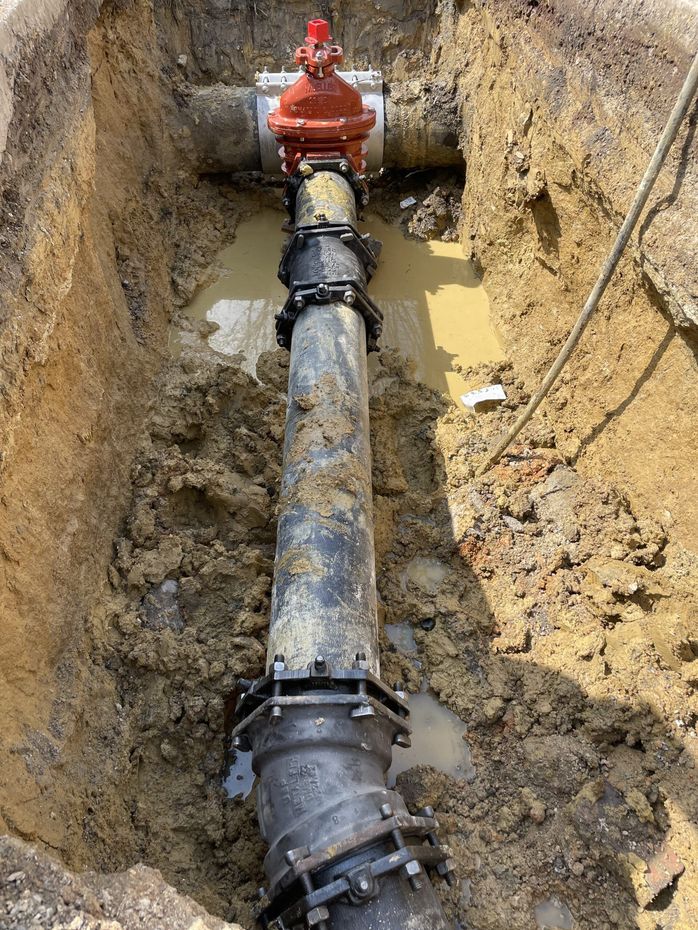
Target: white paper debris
<point>479,396</point>
<point>407,202</point>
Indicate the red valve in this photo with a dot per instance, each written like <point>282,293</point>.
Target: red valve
<point>320,115</point>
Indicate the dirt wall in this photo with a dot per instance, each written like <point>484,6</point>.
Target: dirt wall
<point>563,107</point>
<point>93,257</point>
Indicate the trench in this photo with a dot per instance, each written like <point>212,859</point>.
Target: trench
<point>543,611</point>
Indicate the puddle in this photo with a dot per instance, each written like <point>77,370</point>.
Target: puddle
<point>245,293</point>
<point>426,573</point>
<point>240,779</point>
<point>553,914</point>
<point>437,740</point>
<point>436,310</point>
<point>401,635</point>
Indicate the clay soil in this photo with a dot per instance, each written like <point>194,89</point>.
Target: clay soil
<point>562,633</point>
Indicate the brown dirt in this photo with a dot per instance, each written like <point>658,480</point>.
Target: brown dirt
<point>138,493</point>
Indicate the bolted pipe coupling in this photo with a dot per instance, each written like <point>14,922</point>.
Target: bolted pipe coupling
<point>338,839</point>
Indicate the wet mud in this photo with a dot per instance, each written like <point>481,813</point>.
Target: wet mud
<point>548,607</point>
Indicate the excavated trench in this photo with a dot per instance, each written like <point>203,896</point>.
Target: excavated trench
<point>541,614</point>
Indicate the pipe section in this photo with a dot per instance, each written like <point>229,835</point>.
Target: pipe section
<point>220,130</point>
<point>324,595</point>
<point>344,851</point>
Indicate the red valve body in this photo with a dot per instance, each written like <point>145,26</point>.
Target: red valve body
<point>320,115</point>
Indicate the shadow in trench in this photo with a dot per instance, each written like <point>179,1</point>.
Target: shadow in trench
<point>584,795</point>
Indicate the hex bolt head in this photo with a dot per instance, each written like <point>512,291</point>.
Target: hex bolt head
<point>322,290</point>
<point>298,303</point>
<point>412,871</point>
<point>281,341</point>
<point>317,916</point>
<point>319,662</point>
<point>446,869</point>
<point>349,297</point>
<point>344,167</point>
<point>363,885</point>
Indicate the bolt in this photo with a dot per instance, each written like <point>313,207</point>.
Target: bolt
<point>349,297</point>
<point>298,302</point>
<point>322,290</point>
<point>319,662</point>
<point>412,870</point>
<point>386,811</point>
<point>377,330</point>
<point>364,200</point>
<point>402,741</point>
<point>317,916</point>
<point>242,743</point>
<point>360,656</point>
<point>344,167</point>
<point>363,885</point>
<point>426,812</point>
<point>446,870</point>
<point>281,341</point>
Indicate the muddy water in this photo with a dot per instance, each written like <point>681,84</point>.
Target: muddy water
<point>244,293</point>
<point>553,914</point>
<point>437,733</point>
<point>436,310</point>
<point>437,740</point>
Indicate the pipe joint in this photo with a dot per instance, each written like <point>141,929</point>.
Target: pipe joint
<point>321,740</point>
<point>327,261</point>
